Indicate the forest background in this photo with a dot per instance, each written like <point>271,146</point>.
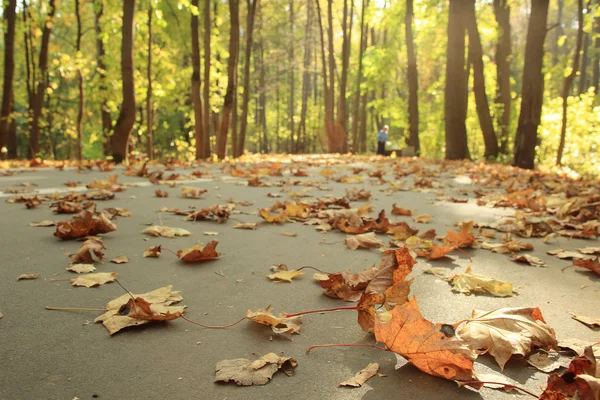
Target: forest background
<point>186,79</point>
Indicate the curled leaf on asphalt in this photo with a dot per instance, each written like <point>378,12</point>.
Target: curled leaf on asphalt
<point>464,238</point>
<point>246,225</point>
<point>592,323</point>
<point>592,265</point>
<point>117,212</point>
<point>153,252</point>
<point>214,212</point>
<point>246,372</point>
<point>93,280</point>
<point>354,194</point>
<point>529,259</point>
<point>120,260</point>
<point>469,282</point>
<point>166,231</point>
<point>346,286</point>
<point>580,381</point>
<point>433,348</point>
<point>423,218</point>
<point>289,234</point>
<point>161,193</point>
<point>86,223</point>
<point>28,276</point>
<point>199,253</point>
<point>284,275</point>
<point>362,376</point>
<point>548,361</point>
<point>511,246</point>
<point>589,250</point>
<point>1,315</point>
<point>273,218</point>
<point>435,252</point>
<point>126,311</point>
<point>281,324</point>
<point>91,251</point>
<point>44,223</point>
<point>364,241</point>
<point>567,255</point>
<point>397,210</point>
<point>505,332</point>
<point>190,192</point>
<point>401,231</point>
<point>81,268</point>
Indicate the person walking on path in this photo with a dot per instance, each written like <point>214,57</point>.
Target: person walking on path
<point>382,137</point>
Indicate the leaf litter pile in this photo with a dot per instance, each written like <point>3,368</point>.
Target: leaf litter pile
<point>534,210</point>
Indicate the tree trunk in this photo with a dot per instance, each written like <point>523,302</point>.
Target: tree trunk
<point>481,99</point>
<point>79,86</point>
<point>37,100</point>
<point>556,49</point>
<point>262,97</point>
<point>456,85</point>
<point>292,80</point>
<point>569,82</point>
<point>12,143</point>
<point>342,114</point>
<point>199,131</point>
<point>413,81</point>
<point>596,68</point>
<point>246,80</point>
<point>149,113</point>
<point>10,16</point>
<point>533,87</point>
<point>305,80</point>
<point>101,69</point>
<point>205,146</point>
<point>327,90</point>
<point>503,56</point>
<point>583,77</point>
<point>357,96</point>
<point>126,120</point>
<point>234,44</point>
<point>329,109</point>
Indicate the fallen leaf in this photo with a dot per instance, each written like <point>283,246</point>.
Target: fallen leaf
<point>123,311</point>
<point>1,315</point>
<point>365,241</point>
<point>165,231</point>
<point>529,259</point>
<point>469,282</point>
<point>220,213</point>
<point>91,251</point>
<point>590,250</point>
<point>161,193</point>
<point>396,210</point>
<point>423,218</point>
<point>362,376</point>
<point>547,361</point>
<point>279,324</point>
<point>247,225</point>
<point>28,276</point>
<point>120,260</point>
<point>589,322</point>
<point>190,192</point>
<point>507,247</point>
<point>424,344</point>
<point>285,276</point>
<point>459,239</point>
<point>84,224</point>
<point>577,346</point>
<point>567,255</point>
<point>348,286</point>
<point>81,268</point>
<point>507,331</point>
<point>92,280</point>
<point>199,253</point>
<point>153,251</point>
<point>245,372</point>
<point>211,233</point>
<point>592,265</point>
<point>580,381</point>
<point>289,234</point>
<point>274,219</point>
<point>44,223</point>
<point>435,252</point>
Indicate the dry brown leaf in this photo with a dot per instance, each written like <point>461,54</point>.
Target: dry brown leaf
<point>429,347</point>
<point>423,218</point>
<point>285,276</point>
<point>289,234</point>
<point>44,223</point>
<point>396,210</point>
<point>529,259</point>
<point>199,253</point>
<point>190,192</point>
<point>590,250</point>
<point>567,255</point>
<point>120,260</point>
<point>123,311</point>
<point>280,324</point>
<point>92,280</point>
<point>592,265</point>
<point>91,251</point>
<point>165,231</point>
<point>274,219</point>
<point>469,282</point>
<point>153,252</point>
<point>245,372</point>
<point>511,246</point>
<point>507,331</point>
<point>220,213</point>
<point>362,376</point>
<point>84,224</point>
<point>81,268</point>
<point>161,193</point>
<point>365,241</point>
<point>247,225</point>
<point>589,322</point>
<point>28,276</point>
<point>459,239</point>
<point>580,381</point>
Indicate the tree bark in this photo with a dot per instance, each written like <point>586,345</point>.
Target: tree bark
<point>234,44</point>
<point>292,80</point>
<point>583,77</point>
<point>503,56</point>
<point>126,120</point>
<point>342,113</point>
<point>413,81</point>
<point>262,97</point>
<point>359,77</point>
<point>205,147</point>
<point>305,80</point>
<point>246,79</point>
<point>101,69</point>
<point>199,131</point>
<point>79,86</point>
<point>10,16</point>
<point>596,68</point>
<point>456,85</point>
<point>327,89</point>
<point>329,109</point>
<point>149,111</point>
<point>533,87</point>
<point>481,99</point>
<point>37,100</point>
<point>568,83</point>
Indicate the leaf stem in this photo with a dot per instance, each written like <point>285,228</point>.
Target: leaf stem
<point>321,310</point>
<point>316,269</point>
<point>505,385</point>
<point>212,326</point>
<point>170,251</point>
<point>74,309</point>
<point>345,345</point>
